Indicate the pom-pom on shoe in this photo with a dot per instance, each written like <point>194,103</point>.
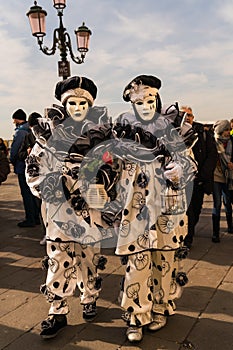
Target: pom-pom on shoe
<point>89,311</point>
<point>134,334</point>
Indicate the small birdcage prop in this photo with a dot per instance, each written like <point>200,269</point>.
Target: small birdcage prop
<point>96,196</point>
<point>172,201</point>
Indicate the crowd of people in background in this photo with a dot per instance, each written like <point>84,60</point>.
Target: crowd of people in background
<point>208,152</point>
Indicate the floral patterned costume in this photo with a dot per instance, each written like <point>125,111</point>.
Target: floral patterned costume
<point>153,223</point>
<point>74,230</point>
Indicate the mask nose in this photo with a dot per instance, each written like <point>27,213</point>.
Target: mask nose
<point>145,106</point>
<point>77,107</point>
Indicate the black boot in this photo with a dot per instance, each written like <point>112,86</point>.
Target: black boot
<point>216,227</point>
<point>229,223</point>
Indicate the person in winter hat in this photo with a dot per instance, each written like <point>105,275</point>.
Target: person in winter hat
<point>32,214</point>
<point>74,226</point>
<point>223,178</point>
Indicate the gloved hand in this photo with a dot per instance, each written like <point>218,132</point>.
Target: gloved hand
<point>173,172</point>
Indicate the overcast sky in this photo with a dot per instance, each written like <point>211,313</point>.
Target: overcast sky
<point>188,44</point>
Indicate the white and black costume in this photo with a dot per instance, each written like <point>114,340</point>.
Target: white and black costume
<point>74,229</point>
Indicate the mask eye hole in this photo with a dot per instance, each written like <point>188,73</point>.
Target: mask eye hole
<point>150,102</point>
<point>82,103</point>
<point>72,103</point>
<point>139,103</point>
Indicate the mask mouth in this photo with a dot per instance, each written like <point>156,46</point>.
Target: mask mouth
<point>77,114</point>
<point>146,112</point>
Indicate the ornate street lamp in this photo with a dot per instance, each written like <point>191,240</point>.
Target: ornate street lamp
<point>61,38</point>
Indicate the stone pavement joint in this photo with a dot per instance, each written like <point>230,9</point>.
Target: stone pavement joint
<point>204,317</point>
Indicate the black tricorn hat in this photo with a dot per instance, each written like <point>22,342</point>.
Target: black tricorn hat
<point>147,80</point>
<point>76,86</point>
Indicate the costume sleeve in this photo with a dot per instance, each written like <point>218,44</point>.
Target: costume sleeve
<point>178,144</point>
<point>43,159</point>
<point>33,173</point>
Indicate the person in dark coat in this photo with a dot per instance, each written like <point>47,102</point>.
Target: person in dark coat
<point>205,154</point>
<point>4,167</point>
<point>24,151</point>
<point>3,147</point>
<point>30,205</point>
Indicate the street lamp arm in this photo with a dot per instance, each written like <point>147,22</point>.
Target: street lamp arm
<point>77,60</point>
<point>45,49</point>
<point>61,38</point>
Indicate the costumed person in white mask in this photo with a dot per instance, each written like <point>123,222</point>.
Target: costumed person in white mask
<point>152,190</point>
<point>74,229</point>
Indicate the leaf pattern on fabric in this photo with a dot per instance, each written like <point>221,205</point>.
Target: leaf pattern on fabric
<point>132,292</point>
<point>165,268</point>
<point>165,224</point>
<point>70,273</point>
<point>53,265</point>
<point>141,261</point>
<point>143,240</point>
<point>66,247</point>
<point>124,228</point>
<point>138,200</point>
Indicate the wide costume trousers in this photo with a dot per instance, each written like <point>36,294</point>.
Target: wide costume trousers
<point>70,264</point>
<point>150,286</point>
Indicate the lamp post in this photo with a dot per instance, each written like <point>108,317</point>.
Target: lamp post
<point>61,38</point>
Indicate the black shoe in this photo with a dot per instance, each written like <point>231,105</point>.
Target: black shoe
<point>89,311</point>
<point>215,239</point>
<point>26,224</point>
<point>52,325</point>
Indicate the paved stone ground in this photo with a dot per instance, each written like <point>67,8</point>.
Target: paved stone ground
<point>204,316</point>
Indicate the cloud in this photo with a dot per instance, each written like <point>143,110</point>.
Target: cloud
<point>225,11</point>
<point>188,44</point>
<point>141,28</point>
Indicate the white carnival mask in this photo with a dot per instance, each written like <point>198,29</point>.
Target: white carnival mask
<point>144,101</point>
<point>77,108</point>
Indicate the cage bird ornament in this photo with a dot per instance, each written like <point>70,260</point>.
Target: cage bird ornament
<point>172,201</point>
<point>96,196</point>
